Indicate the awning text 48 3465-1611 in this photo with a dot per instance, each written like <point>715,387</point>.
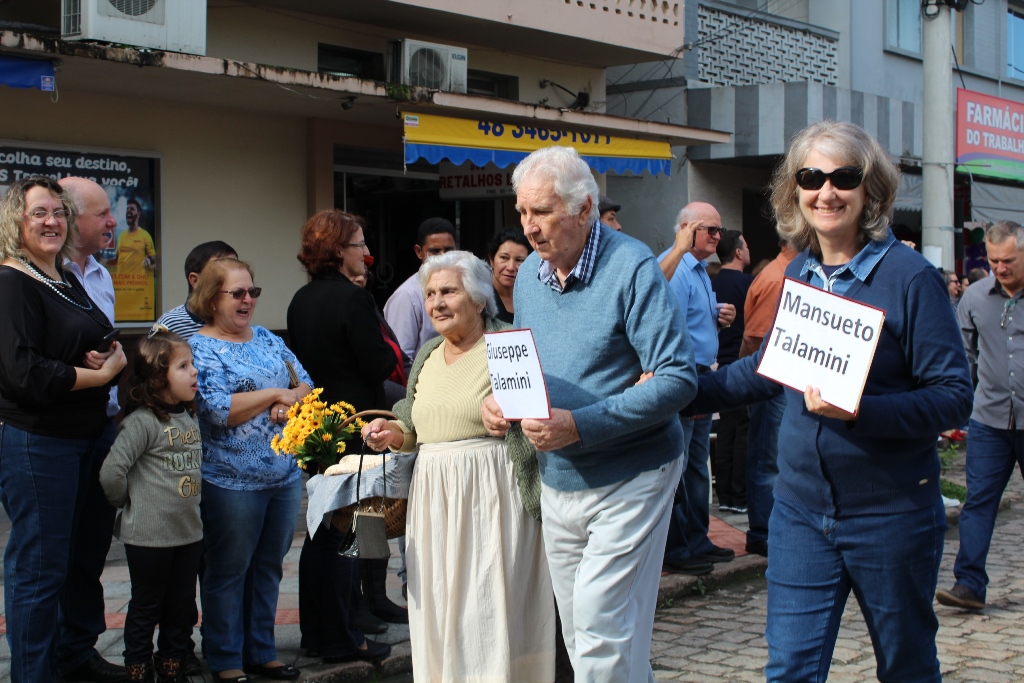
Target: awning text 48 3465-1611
<point>435,138</point>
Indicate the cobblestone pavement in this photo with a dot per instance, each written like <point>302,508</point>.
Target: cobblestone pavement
<point>720,636</point>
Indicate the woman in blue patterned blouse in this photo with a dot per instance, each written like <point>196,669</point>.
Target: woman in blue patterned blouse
<point>250,495</point>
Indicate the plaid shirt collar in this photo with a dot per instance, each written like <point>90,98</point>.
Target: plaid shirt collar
<point>582,271</point>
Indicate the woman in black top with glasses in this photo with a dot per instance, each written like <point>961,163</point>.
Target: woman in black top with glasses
<point>54,388</point>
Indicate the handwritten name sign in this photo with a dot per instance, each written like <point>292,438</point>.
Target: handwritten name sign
<point>516,376</point>
<point>824,340</point>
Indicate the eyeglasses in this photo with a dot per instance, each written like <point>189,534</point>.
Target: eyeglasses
<point>1007,310</point>
<point>357,245</point>
<point>42,215</point>
<point>842,178</point>
<point>239,294</point>
<point>712,230</point>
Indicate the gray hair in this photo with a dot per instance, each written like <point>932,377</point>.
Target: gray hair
<point>840,141</point>
<point>1000,231</point>
<point>571,177</point>
<point>476,277</point>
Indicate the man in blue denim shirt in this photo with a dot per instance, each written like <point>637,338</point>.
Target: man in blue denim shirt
<point>698,227</point>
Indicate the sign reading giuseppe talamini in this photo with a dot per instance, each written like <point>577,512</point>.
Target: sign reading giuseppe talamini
<point>989,135</point>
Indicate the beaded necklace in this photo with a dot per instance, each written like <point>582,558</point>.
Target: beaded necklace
<point>72,296</point>
<point>55,284</point>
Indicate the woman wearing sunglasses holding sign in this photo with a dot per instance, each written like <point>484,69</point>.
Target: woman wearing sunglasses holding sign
<point>857,502</point>
<point>250,495</point>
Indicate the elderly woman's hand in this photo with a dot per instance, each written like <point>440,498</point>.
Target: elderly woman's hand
<point>377,434</point>
<point>494,420</point>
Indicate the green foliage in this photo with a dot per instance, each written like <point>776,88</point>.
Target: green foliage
<point>953,490</point>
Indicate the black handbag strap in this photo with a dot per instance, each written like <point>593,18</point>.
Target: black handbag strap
<point>359,472</point>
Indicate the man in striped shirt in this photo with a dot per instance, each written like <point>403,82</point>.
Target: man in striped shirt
<point>180,320</point>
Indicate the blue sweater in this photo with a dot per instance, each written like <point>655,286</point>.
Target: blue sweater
<point>885,461</point>
<point>595,340</point>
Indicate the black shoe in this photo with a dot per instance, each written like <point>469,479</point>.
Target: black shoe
<point>192,665</point>
<point>97,670</point>
<point>285,672</point>
<point>367,623</point>
<point>718,554</point>
<point>757,548</point>
<point>691,567</point>
<point>374,652</point>
<point>960,596</point>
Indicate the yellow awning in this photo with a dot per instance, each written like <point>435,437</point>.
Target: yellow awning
<point>435,138</point>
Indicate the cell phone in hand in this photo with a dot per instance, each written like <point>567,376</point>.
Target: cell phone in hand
<point>109,339</point>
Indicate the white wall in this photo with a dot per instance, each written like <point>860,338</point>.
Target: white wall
<point>268,36</point>
<point>235,176</point>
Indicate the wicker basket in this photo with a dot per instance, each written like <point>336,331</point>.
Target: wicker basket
<point>393,508</point>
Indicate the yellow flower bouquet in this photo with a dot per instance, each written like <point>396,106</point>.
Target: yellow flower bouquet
<point>316,434</point>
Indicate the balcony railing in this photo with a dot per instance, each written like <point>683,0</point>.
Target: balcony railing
<point>739,49</point>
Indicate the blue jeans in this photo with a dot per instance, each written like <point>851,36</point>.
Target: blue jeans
<point>246,535</point>
<point>81,615</point>
<point>991,456</point>
<point>688,525</point>
<point>890,562</point>
<point>762,463</point>
<point>41,478</point>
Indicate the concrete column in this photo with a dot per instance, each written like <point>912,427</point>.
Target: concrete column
<point>939,140</point>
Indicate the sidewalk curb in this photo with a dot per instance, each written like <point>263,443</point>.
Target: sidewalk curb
<point>400,662</point>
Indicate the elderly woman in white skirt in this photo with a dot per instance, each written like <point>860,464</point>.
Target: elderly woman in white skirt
<point>479,589</point>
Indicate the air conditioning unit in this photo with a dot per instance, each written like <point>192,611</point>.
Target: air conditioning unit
<point>438,67</point>
<point>172,25</point>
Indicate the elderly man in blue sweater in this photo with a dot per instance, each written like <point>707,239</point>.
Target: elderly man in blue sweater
<point>611,454</point>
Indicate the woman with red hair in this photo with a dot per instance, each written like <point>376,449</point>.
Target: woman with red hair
<point>336,335</point>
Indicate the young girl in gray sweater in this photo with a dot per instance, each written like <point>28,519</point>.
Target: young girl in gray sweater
<point>153,474</point>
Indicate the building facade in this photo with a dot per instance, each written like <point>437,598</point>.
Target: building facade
<point>764,70</point>
<point>251,116</point>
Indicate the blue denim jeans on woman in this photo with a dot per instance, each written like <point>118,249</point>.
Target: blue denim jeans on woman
<point>991,457</point>
<point>41,479</point>
<point>246,535</point>
<point>890,562</point>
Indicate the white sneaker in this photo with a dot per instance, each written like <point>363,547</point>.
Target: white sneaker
<point>950,502</point>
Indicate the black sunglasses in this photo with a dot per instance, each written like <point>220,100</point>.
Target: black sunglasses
<point>843,178</point>
<point>712,230</point>
<point>239,294</point>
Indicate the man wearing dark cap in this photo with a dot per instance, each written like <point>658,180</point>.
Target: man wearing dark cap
<point>405,310</point>
<point>608,210</point>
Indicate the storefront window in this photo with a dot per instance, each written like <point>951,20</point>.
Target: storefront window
<point>1015,43</point>
<point>903,25</point>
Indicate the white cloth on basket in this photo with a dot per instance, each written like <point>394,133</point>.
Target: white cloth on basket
<point>480,599</point>
<point>327,494</point>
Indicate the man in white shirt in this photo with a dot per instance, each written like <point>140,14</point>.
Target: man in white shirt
<point>81,617</point>
<point>405,310</point>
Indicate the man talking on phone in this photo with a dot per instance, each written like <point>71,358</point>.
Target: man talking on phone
<point>81,616</point>
<point>698,227</point>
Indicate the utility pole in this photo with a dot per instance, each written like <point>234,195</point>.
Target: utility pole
<point>939,137</point>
